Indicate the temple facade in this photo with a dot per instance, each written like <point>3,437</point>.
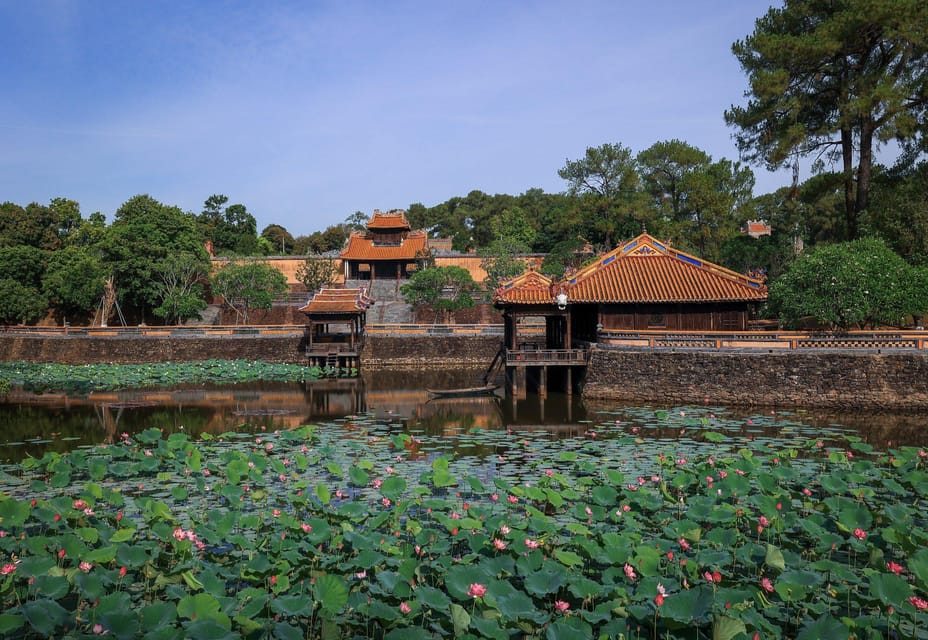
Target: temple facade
<point>387,249</point>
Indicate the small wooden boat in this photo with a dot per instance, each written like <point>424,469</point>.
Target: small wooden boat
<point>467,391</point>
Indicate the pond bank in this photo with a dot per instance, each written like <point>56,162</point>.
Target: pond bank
<point>846,378</point>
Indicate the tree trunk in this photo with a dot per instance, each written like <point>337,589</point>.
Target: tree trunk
<point>847,154</point>
<point>865,165</point>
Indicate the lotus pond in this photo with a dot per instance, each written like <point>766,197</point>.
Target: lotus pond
<point>359,527</point>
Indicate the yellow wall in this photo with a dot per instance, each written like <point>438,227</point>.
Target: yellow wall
<point>289,265</point>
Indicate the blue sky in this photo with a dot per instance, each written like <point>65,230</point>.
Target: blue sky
<point>306,112</point>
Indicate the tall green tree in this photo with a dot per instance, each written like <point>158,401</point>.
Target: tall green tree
<point>279,238</point>
<point>664,167</point>
<point>607,182</point>
<point>36,225</point>
<point>232,229</point>
<point>700,202</point>
<point>179,286</point>
<point>145,232</point>
<point>73,281</point>
<point>21,271</point>
<point>248,285</point>
<point>833,79</point>
<point>607,170</point>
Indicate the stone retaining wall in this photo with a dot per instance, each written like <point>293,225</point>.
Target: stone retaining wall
<point>429,351</point>
<point>888,380</point>
<point>137,350</point>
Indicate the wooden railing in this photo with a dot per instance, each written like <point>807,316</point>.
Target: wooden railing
<point>563,357</point>
<point>795,340</point>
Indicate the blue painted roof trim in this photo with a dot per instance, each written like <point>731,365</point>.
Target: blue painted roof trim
<point>608,260</point>
<point>692,261</point>
<point>629,246</point>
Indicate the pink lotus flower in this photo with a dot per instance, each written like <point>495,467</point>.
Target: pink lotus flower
<point>385,502</point>
<point>629,571</point>
<point>560,605</point>
<point>918,603</point>
<point>659,599</point>
<point>360,575</point>
<point>764,521</point>
<point>377,483</point>
<point>766,585</point>
<point>405,608</point>
<point>7,569</point>
<point>122,572</point>
<point>549,472</point>
<point>306,527</point>
<point>714,576</point>
<point>477,590</point>
<point>859,533</point>
<point>98,629</point>
<point>498,544</point>
<point>512,499</point>
<point>504,530</point>
<point>531,544</point>
<point>495,497</point>
<point>85,566</point>
<point>684,544</point>
<point>895,568</point>
<point>80,505</point>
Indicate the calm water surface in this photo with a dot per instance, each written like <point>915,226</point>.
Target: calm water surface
<point>32,425</point>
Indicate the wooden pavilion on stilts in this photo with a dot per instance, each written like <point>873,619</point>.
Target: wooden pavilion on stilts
<point>335,327</point>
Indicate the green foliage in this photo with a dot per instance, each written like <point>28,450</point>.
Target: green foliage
<point>849,284</point>
<point>20,303</point>
<point>834,78</point>
<point>701,203</point>
<point>280,240</point>
<point>332,238</point>
<point>74,279</point>
<point>180,286</point>
<point>900,197</point>
<point>770,254</point>
<point>144,233</point>
<point>231,228</point>
<point>111,377</point>
<point>445,289</point>
<point>248,285</point>
<point>316,272</point>
<point>607,170</point>
<point>38,226</point>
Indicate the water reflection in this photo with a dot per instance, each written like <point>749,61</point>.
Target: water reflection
<point>32,425</point>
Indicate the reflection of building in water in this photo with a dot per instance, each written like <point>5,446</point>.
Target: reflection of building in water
<point>334,398</point>
<point>454,416</point>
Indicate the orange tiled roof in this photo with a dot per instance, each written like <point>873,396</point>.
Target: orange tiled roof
<point>395,219</point>
<point>329,300</point>
<point>361,247</point>
<point>530,287</point>
<point>647,270</point>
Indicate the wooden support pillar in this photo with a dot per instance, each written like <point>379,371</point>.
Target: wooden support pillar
<point>543,381</point>
<point>570,382</point>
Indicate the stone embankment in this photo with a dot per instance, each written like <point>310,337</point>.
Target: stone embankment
<point>286,349</point>
<point>833,379</point>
